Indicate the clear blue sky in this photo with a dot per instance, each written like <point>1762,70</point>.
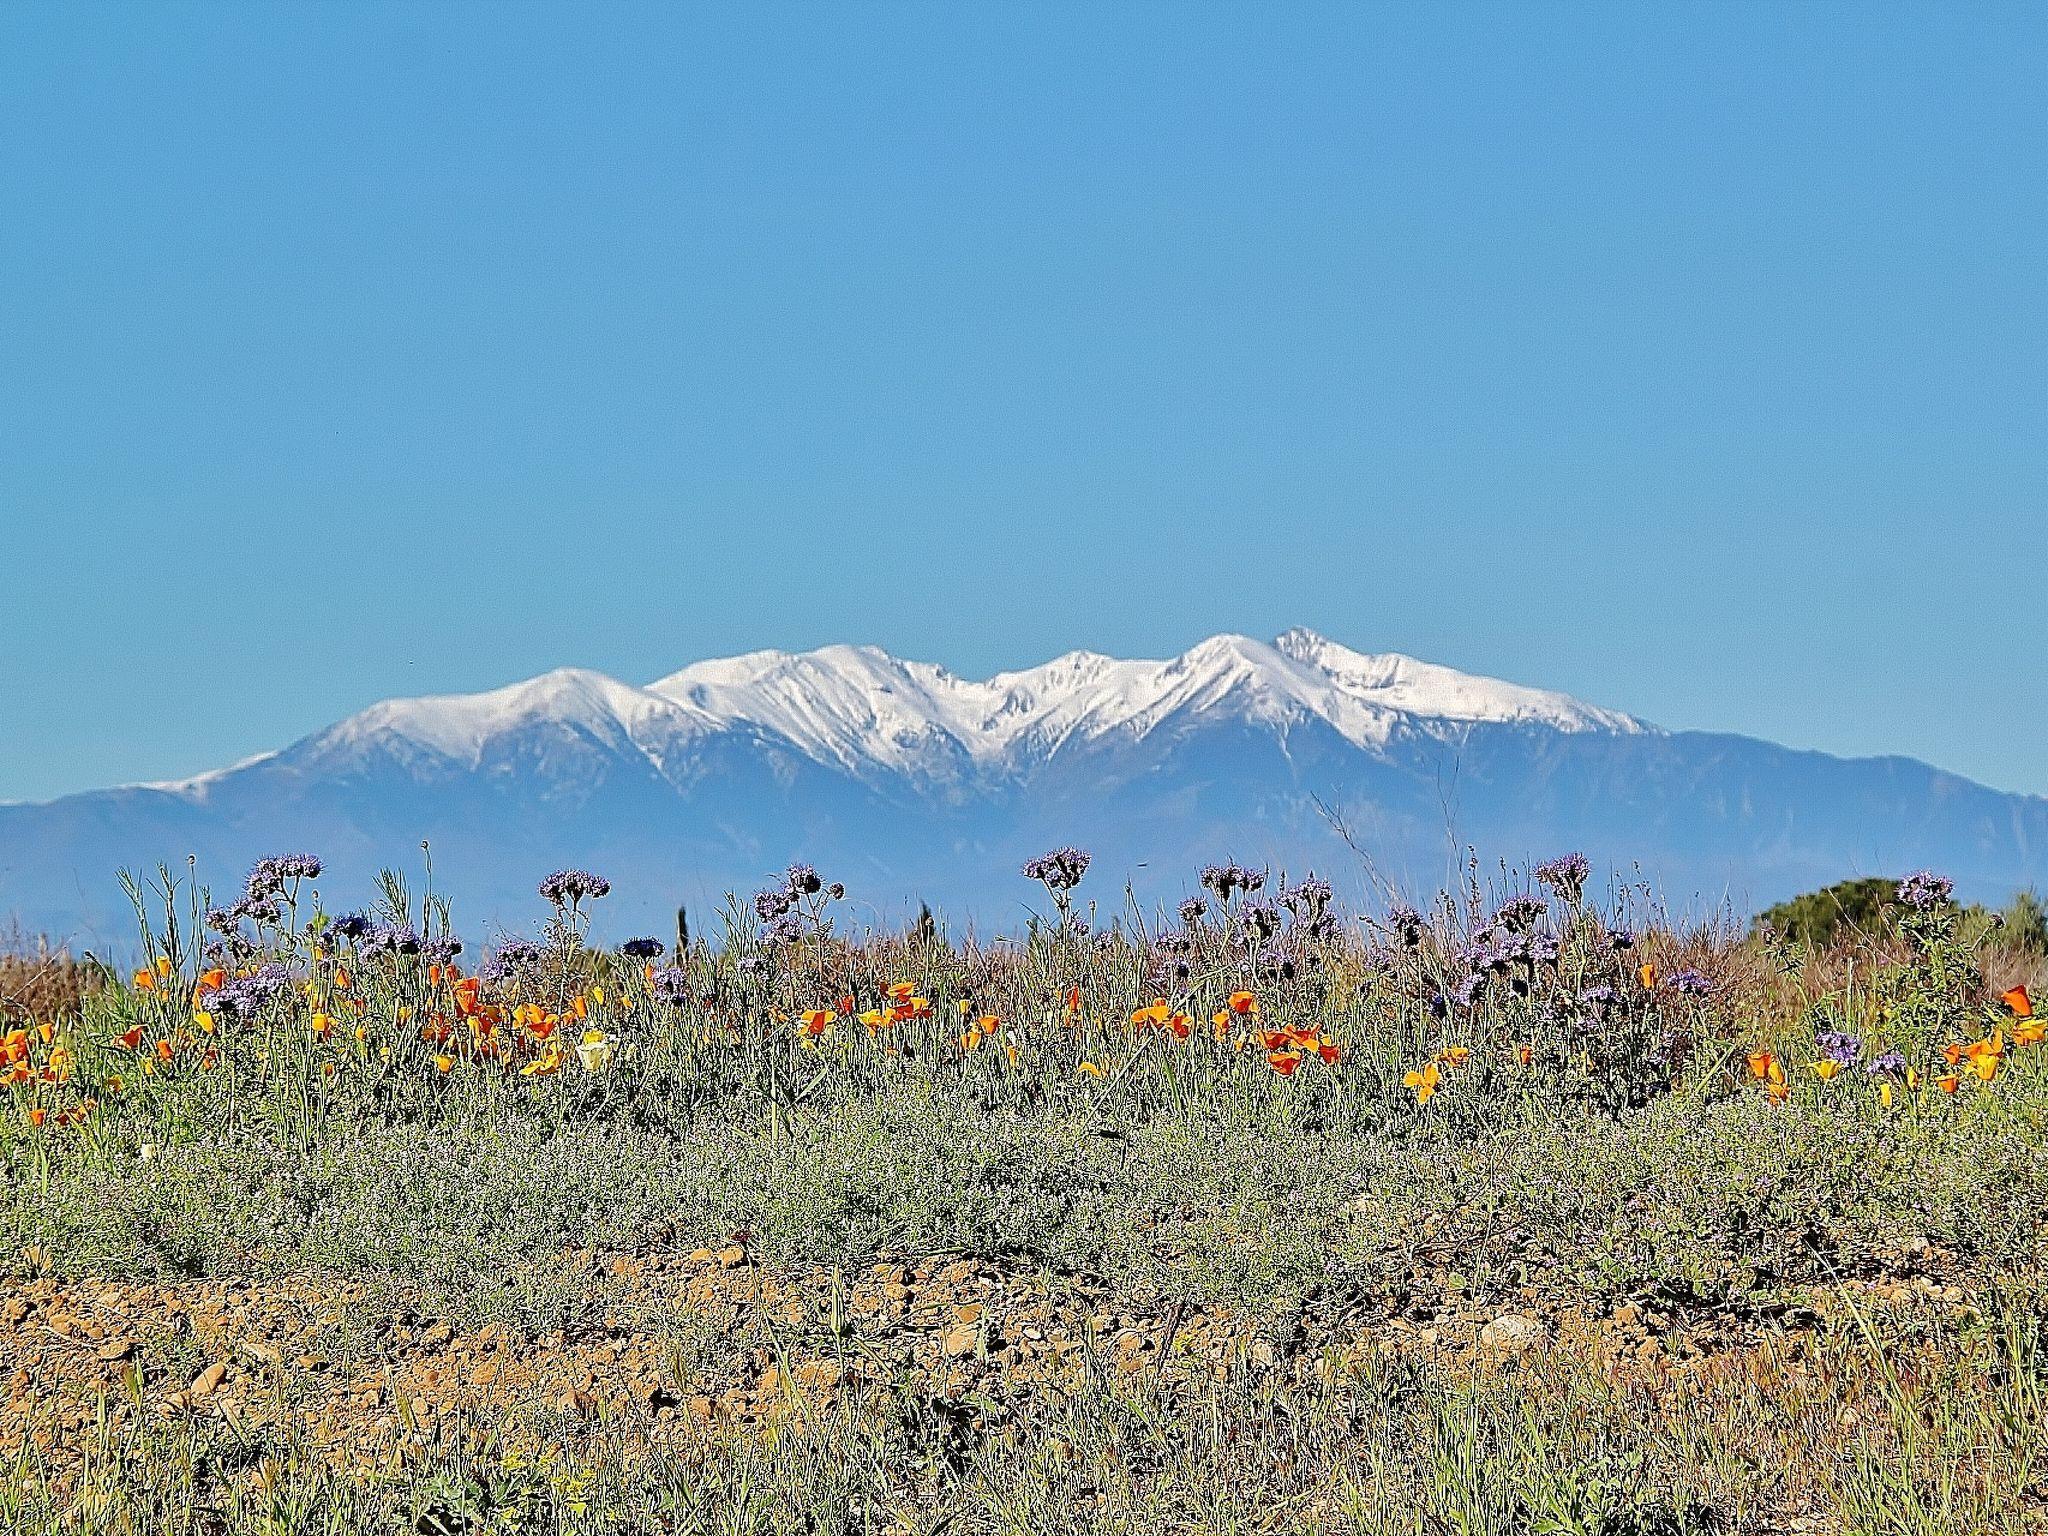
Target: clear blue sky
<point>1693,359</point>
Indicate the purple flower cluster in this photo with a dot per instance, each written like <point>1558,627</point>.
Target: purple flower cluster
<point>513,956</point>
<point>271,875</point>
<point>1261,920</point>
<point>1192,911</point>
<point>569,887</point>
<point>1407,922</point>
<point>1060,870</point>
<point>798,881</point>
<point>244,997</point>
<point>441,951</point>
<point>1924,890</point>
<point>1838,1047</point>
<point>641,949</point>
<point>260,893</point>
<point>786,929</point>
<point>1519,913</point>
<point>1566,875</point>
<point>1310,904</point>
<point>1226,880</point>
<point>392,939</point>
<point>672,984</point>
<point>350,925</point>
<point>1688,983</point>
<point>1890,1064</point>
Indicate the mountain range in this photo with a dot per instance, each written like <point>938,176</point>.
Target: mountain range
<point>910,784</point>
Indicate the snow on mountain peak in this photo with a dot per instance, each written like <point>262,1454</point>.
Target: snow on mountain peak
<point>1398,682</point>
<point>460,726</point>
<point>861,709</point>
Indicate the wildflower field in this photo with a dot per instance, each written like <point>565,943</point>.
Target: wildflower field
<point>1527,1211</point>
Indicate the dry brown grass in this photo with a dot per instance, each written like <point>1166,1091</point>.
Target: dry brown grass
<point>40,985</point>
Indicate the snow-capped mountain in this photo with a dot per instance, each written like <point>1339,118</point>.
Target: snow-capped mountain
<point>911,784</point>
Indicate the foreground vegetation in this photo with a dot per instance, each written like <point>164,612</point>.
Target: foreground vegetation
<point>1527,1213</point>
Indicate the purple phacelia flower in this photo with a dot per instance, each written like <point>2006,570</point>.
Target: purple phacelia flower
<point>642,949</point>
<point>1566,875</point>
<point>392,939</point>
<point>513,956</point>
<point>772,903</point>
<point>1193,910</point>
<point>803,880</point>
<point>1226,880</point>
<point>1519,912</point>
<point>270,875</point>
<point>1060,870</point>
<point>1838,1047</point>
<point>349,925</point>
<point>1890,1064</point>
<point>441,951</point>
<point>672,984</point>
<point>1310,899</point>
<point>1261,920</point>
<point>1924,890</point>
<point>569,887</point>
<point>1688,983</point>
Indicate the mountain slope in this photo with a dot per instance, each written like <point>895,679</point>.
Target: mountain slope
<point>910,783</point>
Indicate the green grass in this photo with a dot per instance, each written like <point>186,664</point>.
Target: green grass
<point>1585,1155</point>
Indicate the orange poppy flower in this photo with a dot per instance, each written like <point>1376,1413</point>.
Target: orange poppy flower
<point>845,1004</point>
<point>817,1020</point>
<point>1242,1002</point>
<point>1760,1064</point>
<point>1328,1050</point>
<point>133,1038</point>
<point>1777,1092</point>
<point>163,1049</point>
<point>1826,1069</point>
<point>1525,1054</point>
<point>1948,1083</point>
<point>1153,1013</point>
<point>1648,973</point>
<point>210,981</point>
<point>1424,1082</point>
<point>145,981</point>
<point>1091,1069</point>
<point>2018,1001</point>
<point>2028,1033</point>
<point>1454,1055</point>
<point>1181,1025</point>
<point>1283,1062</point>
<point>36,1117</point>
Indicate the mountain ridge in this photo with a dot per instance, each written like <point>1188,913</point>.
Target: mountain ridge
<point>925,785</point>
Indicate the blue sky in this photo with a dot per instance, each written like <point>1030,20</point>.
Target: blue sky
<point>1693,359</point>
